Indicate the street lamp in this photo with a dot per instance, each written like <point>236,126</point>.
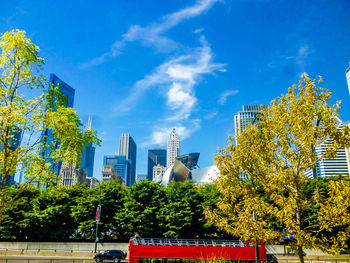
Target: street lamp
<point>97,218</point>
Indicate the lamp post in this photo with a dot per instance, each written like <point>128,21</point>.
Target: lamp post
<point>97,218</point>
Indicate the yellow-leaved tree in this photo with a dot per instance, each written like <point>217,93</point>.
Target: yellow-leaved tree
<point>275,153</point>
<point>37,132</point>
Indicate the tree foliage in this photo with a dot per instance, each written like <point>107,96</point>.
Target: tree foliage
<point>275,153</point>
<point>22,113</point>
<point>147,209</point>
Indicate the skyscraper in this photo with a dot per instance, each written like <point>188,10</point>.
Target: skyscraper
<point>128,148</point>
<point>14,142</point>
<point>47,135</point>
<point>155,157</point>
<point>121,166</point>
<point>348,77</point>
<point>71,174</point>
<point>248,116</point>
<point>173,148</point>
<point>329,167</point>
<point>88,156</point>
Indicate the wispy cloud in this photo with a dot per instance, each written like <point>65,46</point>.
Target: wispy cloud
<point>293,61</point>
<point>198,30</point>
<point>152,35</point>
<point>178,76</point>
<point>177,79</point>
<point>211,115</point>
<point>224,95</point>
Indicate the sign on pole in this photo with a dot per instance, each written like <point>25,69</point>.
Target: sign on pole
<point>98,213</point>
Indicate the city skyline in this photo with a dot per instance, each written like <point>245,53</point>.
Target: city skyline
<point>188,65</point>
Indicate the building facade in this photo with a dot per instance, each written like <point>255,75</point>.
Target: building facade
<point>120,165</point>
<point>173,148</point>
<point>330,167</point>
<point>87,160</point>
<point>155,157</point>
<point>108,174</point>
<point>92,182</point>
<point>14,142</point>
<point>128,148</point>
<point>158,172</point>
<point>70,174</point>
<point>249,115</point>
<point>47,134</point>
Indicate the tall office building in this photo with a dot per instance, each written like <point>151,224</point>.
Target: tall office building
<point>248,115</point>
<point>348,77</point>
<point>155,157</point>
<point>109,174</point>
<point>14,142</point>
<point>173,148</point>
<point>47,135</point>
<point>347,152</point>
<point>329,167</point>
<point>71,174</point>
<point>88,156</point>
<point>128,148</point>
<point>121,166</point>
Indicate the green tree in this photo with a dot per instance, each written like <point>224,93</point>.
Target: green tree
<point>275,153</point>
<point>111,197</point>
<point>182,214</point>
<point>30,116</point>
<point>14,225</point>
<point>142,210</point>
<point>52,214</point>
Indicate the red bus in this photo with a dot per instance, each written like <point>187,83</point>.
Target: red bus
<point>160,250</point>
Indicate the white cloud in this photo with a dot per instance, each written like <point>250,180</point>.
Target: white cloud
<point>225,94</point>
<point>198,30</point>
<point>211,115</point>
<point>152,35</point>
<point>176,79</point>
<point>178,76</point>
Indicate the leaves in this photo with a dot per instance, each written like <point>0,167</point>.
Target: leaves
<point>275,153</point>
<point>36,133</point>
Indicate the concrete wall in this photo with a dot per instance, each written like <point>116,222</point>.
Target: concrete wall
<point>64,246</point>
<point>89,247</point>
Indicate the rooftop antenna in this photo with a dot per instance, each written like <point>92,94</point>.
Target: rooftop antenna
<point>89,125</point>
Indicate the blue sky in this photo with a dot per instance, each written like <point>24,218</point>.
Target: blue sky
<point>144,67</point>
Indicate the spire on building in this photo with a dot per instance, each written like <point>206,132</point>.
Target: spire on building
<point>89,125</point>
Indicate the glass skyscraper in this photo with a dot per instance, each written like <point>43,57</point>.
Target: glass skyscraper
<point>14,142</point>
<point>155,157</point>
<point>329,167</point>
<point>47,135</point>
<point>248,116</point>
<point>121,166</point>
<point>128,148</point>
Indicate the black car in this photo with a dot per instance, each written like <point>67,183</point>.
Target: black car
<point>112,255</point>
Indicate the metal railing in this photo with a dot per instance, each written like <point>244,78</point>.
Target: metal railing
<point>187,242</point>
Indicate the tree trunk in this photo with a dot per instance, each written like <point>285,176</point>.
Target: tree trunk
<point>300,254</point>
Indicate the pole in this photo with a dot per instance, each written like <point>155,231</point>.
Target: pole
<point>96,237</point>
<point>98,214</point>
<point>256,243</point>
